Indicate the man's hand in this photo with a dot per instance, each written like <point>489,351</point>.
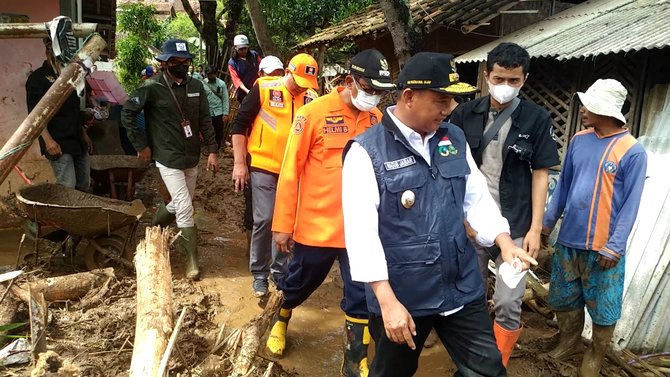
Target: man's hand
<point>53,148</point>
<point>225,118</point>
<point>240,176</point>
<point>532,242</point>
<point>544,237</point>
<point>471,233</point>
<point>398,323</point>
<point>145,154</point>
<point>213,163</point>
<point>509,251</point>
<point>88,142</point>
<point>283,241</point>
<point>606,263</point>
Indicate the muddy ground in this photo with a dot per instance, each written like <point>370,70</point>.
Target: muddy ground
<point>99,340</point>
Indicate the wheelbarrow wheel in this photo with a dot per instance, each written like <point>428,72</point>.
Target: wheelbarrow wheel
<point>95,259</point>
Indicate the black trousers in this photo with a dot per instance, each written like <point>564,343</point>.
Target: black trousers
<point>217,123</point>
<point>307,270</point>
<point>467,335</point>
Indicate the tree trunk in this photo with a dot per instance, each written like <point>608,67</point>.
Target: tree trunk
<point>261,28</point>
<point>252,333</point>
<point>154,302</point>
<point>67,287</point>
<point>233,16</point>
<point>398,21</point>
<point>209,32</point>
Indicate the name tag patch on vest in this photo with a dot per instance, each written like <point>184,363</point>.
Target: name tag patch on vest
<point>335,130</point>
<point>399,164</point>
<point>193,94</point>
<point>276,98</point>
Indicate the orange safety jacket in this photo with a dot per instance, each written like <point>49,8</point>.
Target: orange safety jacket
<point>271,127</point>
<point>308,202</point>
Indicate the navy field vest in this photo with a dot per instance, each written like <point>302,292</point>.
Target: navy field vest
<point>432,265</point>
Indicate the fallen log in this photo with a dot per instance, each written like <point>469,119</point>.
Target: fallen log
<point>154,302</point>
<point>541,292</point>
<point>252,333</point>
<point>66,287</point>
<point>38,323</point>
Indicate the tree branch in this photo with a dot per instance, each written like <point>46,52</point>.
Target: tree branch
<point>191,14</point>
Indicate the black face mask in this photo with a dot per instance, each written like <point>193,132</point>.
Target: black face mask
<point>179,71</point>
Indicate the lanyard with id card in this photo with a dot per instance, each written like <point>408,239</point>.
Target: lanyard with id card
<point>185,123</point>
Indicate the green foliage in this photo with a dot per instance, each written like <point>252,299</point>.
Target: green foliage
<point>11,327</point>
<point>139,29</point>
<point>182,27</point>
<point>291,21</point>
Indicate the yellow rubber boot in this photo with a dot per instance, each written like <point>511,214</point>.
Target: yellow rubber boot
<point>276,343</point>
<point>357,340</point>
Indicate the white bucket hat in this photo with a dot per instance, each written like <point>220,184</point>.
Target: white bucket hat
<point>241,40</point>
<point>269,64</point>
<point>605,97</point>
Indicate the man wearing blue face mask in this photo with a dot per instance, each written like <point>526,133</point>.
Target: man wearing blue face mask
<point>513,144</point>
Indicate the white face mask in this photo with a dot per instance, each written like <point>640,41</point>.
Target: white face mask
<point>503,93</point>
<point>364,101</point>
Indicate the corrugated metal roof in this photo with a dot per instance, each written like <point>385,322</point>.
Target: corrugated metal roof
<point>427,14</point>
<point>589,29</point>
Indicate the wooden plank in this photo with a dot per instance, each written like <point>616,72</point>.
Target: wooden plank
<point>38,322</point>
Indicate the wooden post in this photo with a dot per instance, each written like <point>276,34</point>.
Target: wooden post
<point>40,30</point>
<point>154,303</point>
<point>37,120</point>
<point>38,323</point>
<point>66,287</point>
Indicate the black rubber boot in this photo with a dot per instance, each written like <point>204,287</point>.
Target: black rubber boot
<point>189,243</point>
<point>162,217</point>
<point>570,324</point>
<point>355,362</point>
<point>600,344</point>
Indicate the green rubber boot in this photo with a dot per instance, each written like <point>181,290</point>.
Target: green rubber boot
<point>600,344</point>
<point>188,241</point>
<point>570,324</point>
<point>162,217</point>
<point>357,340</point>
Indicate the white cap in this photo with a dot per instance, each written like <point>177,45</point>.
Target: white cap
<point>241,40</point>
<point>605,97</point>
<point>269,64</point>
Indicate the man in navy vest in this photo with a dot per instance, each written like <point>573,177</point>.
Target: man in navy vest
<point>408,186</point>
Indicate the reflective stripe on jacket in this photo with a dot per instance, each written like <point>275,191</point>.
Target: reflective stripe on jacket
<point>272,125</point>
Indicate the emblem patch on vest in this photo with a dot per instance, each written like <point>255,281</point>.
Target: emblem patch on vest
<point>335,120</point>
<point>399,164</point>
<point>276,99</point>
<point>445,148</point>
<point>610,167</point>
<point>299,124</point>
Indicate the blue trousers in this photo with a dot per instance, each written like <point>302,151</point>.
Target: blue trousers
<point>308,269</point>
<point>73,171</point>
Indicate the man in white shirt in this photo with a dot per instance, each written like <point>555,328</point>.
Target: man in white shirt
<point>407,188</point>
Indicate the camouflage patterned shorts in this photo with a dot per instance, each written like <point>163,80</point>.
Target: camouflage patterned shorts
<point>577,280</point>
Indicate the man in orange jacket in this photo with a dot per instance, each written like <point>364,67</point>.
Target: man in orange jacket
<point>266,115</point>
<point>309,208</point>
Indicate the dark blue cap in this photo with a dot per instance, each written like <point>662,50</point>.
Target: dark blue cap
<point>174,48</point>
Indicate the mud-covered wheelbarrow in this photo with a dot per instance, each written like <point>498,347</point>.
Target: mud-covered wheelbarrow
<point>118,170</point>
<point>108,225</point>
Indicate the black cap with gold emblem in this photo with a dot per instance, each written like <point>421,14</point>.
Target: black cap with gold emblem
<point>372,66</point>
<point>434,71</point>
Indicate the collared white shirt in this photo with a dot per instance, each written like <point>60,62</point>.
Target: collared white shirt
<point>360,205</point>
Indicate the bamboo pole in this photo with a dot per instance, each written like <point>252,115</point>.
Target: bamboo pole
<point>154,303</point>
<point>37,120</point>
<point>40,30</point>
